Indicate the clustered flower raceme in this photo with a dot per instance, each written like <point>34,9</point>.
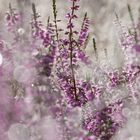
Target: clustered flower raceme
<point>117,78</point>
<point>45,36</point>
<point>13,20</point>
<point>70,55</point>
<point>103,124</point>
<point>85,91</point>
<point>36,25</point>
<point>84,31</point>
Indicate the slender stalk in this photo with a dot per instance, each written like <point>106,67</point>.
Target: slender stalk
<point>122,36</point>
<point>139,21</point>
<point>48,22</point>
<point>85,16</point>
<point>106,53</point>
<point>132,20</point>
<point>71,50</point>
<point>35,17</point>
<point>10,8</point>
<point>56,30</point>
<point>95,48</point>
<point>87,39</point>
<point>55,19</point>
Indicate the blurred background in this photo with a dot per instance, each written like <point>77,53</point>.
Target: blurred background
<point>103,28</point>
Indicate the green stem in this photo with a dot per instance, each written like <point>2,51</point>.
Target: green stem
<point>132,20</point>
<point>71,51</point>
<point>55,19</point>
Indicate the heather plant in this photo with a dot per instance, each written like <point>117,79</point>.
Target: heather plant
<point>46,96</point>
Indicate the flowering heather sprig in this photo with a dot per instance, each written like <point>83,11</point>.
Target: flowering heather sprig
<point>130,47</point>
<point>124,77</point>
<point>116,79</point>
<point>70,27</point>
<point>84,31</point>
<point>55,20</point>
<point>104,124</point>
<point>13,20</point>
<point>59,46</point>
<point>12,17</point>
<point>90,90</point>
<point>41,33</point>
<point>35,23</point>
<point>70,54</point>
<point>46,36</point>
<point>86,90</point>
<point>126,40</point>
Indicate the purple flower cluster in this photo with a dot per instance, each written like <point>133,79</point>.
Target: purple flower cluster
<point>36,24</point>
<point>12,18</point>
<point>84,31</point>
<point>128,75</point>
<point>102,124</point>
<point>70,55</point>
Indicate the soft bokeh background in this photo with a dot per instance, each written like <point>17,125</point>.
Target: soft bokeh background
<point>103,28</point>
